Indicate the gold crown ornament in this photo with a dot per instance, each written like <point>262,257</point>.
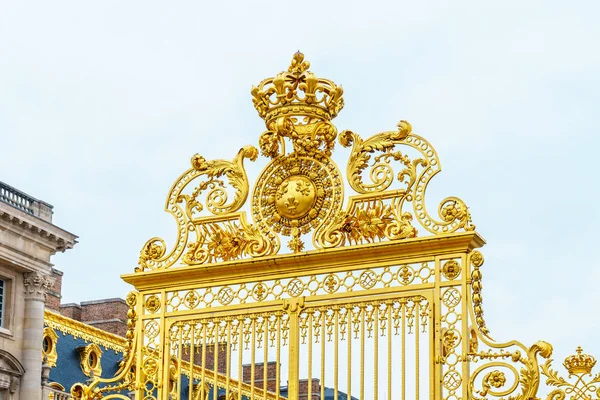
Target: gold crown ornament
<point>298,105</point>
<point>579,363</point>
<point>298,92</point>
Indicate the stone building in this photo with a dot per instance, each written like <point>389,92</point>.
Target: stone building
<point>28,239</point>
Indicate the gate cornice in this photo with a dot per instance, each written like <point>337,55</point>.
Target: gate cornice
<point>315,261</point>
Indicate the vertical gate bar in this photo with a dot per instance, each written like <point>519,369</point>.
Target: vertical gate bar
<point>436,384</point>
<point>203,384</point>
<point>192,351</point>
<point>216,360</point>
<point>432,355</point>
<point>389,349</point>
<point>278,358</point>
<point>403,350</point>
<point>417,329</point>
<point>323,311</point>
<point>335,356</point>
<point>179,361</point>
<point>252,355</point>
<point>265,354</point>
<point>228,360</point>
<point>465,325</point>
<point>139,355</point>
<point>362,351</point>
<point>165,350</point>
<point>294,349</point>
<point>240,354</point>
<point>376,353</point>
<point>310,350</point>
<point>349,330</point>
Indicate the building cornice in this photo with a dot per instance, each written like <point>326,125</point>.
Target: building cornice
<point>84,331</point>
<point>43,232</point>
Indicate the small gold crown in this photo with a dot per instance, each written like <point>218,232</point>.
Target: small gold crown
<point>299,94</point>
<point>579,363</point>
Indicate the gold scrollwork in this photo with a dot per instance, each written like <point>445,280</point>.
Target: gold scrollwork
<point>416,175</point>
<point>217,198</point>
<point>381,173</point>
<point>216,234</point>
<point>528,378</point>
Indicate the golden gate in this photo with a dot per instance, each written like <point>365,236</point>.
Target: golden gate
<point>377,298</point>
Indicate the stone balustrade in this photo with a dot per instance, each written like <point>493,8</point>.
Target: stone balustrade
<point>56,394</point>
<point>24,202</point>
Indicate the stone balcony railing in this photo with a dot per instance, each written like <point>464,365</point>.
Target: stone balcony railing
<point>55,394</point>
<point>24,202</point>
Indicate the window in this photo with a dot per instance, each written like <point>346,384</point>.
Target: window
<point>49,346</point>
<point>2,295</point>
<point>90,360</point>
<point>6,302</point>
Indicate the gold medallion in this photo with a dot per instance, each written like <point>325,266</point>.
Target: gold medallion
<point>296,194</point>
<point>295,197</point>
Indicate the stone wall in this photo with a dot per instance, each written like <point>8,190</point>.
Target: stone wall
<point>53,294</point>
<point>107,314</point>
<point>259,370</point>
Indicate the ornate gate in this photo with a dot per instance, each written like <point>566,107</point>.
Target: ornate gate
<point>376,298</point>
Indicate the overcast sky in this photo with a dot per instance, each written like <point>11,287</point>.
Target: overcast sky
<point>103,103</point>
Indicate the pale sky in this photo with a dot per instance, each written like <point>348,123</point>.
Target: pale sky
<point>102,104</point>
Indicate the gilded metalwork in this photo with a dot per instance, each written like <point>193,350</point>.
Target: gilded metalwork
<point>378,298</point>
<point>295,195</point>
<point>451,270</point>
<point>221,235</point>
<point>578,366</point>
<point>476,285</point>
<point>301,188</point>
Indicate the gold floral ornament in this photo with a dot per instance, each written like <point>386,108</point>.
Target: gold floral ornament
<point>451,270</point>
<point>450,339</point>
<point>495,379</point>
<point>152,304</point>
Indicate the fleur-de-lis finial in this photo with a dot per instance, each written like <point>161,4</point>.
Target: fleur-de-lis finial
<point>298,64</point>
